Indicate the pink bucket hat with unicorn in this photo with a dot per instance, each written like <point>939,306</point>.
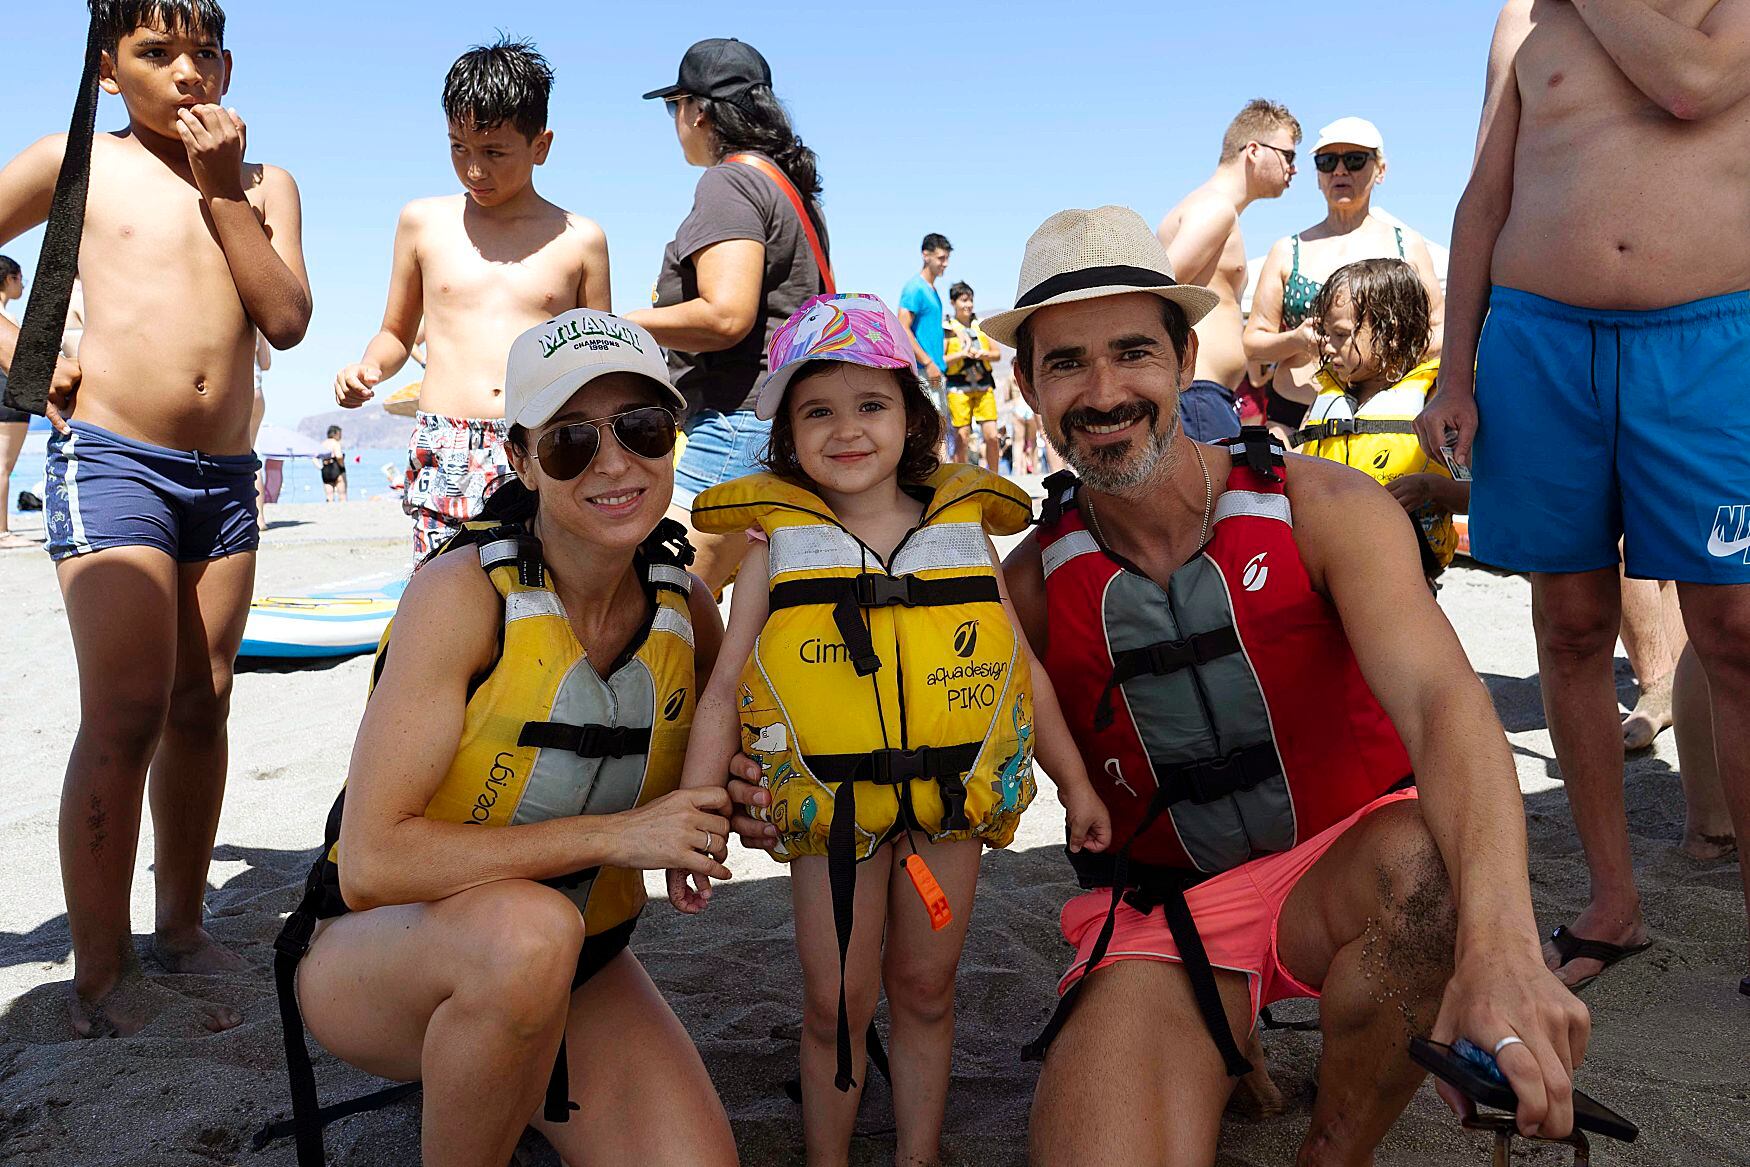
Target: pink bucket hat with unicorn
<point>849,326</point>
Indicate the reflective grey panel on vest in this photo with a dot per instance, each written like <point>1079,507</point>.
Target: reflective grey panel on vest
<point>561,783</point>
<point>1201,712</point>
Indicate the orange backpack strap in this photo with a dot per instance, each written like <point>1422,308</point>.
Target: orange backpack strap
<point>790,192</point>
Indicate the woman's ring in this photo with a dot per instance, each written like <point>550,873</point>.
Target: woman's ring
<point>1507,1041</point>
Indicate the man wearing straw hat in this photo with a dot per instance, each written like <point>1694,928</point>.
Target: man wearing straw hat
<point>1253,669</point>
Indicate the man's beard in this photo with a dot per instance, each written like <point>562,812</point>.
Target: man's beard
<point>1120,468</point>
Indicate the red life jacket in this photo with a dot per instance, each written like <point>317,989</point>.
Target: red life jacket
<point>1227,707</point>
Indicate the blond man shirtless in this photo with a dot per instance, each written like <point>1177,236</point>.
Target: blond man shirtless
<point>1202,236</point>
<point>479,269</point>
<point>1605,232</point>
<point>151,484</point>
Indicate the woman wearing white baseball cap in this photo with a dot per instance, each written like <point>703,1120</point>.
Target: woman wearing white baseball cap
<point>542,683</point>
<point>1349,157</point>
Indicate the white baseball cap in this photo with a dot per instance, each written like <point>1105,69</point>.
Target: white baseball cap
<point>1354,131</point>
<point>555,359</point>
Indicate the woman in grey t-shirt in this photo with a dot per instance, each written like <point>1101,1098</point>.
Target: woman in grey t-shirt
<point>741,263</point>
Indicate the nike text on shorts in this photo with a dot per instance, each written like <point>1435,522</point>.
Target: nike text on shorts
<point>1596,425</point>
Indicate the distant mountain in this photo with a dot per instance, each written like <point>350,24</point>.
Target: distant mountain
<point>365,428</point>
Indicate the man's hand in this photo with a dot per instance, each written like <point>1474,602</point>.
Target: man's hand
<point>356,384</point>
<point>214,138</point>
<point>1493,995</point>
<point>745,791</point>
<point>1449,419</point>
<point>63,386</point>
<point>932,374</point>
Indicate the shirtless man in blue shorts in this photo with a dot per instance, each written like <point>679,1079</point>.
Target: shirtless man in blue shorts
<point>1605,234</point>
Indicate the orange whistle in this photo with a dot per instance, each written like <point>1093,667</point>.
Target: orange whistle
<point>929,891</point>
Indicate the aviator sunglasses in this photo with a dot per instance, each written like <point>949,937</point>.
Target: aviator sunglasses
<point>1353,161</point>
<point>566,451</point>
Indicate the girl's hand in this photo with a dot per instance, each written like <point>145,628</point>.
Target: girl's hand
<point>1413,490</point>
<point>686,830</point>
<point>1088,820</point>
<point>689,898</point>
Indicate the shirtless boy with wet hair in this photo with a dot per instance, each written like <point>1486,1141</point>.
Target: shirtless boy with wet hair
<point>151,506</point>
<point>480,268</point>
<point>1605,234</point>
<point>1202,236</point>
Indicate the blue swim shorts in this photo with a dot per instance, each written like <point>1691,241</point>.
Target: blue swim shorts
<point>106,491</point>
<point>1208,412</point>
<point>720,446</point>
<point>1599,425</point>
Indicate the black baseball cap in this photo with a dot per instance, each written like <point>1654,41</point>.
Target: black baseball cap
<point>719,68</point>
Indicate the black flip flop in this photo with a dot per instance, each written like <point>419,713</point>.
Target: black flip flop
<point>1571,948</point>
<point>1744,986</point>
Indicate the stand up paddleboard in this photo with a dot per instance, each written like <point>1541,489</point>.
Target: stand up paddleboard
<point>344,620</point>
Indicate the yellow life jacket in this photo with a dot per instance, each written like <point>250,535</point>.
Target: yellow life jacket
<point>545,735</point>
<point>959,340</point>
<point>904,677</point>
<point>1379,438</point>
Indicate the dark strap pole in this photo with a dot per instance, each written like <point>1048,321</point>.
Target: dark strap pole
<point>39,339</point>
<point>841,870</point>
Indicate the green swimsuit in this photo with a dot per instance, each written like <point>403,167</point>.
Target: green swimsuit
<point>1300,291</point>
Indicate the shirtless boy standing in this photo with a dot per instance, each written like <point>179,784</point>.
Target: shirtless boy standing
<point>1608,398</point>
<point>151,507</point>
<point>1202,236</point>
<point>480,268</point>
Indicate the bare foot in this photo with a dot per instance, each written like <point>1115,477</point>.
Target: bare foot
<point>1651,715</point>
<point>135,1002</point>
<point>1707,848</point>
<point>1594,923</point>
<point>198,953</point>
<point>10,541</point>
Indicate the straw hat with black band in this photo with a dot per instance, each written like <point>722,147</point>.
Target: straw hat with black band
<point>1084,255</point>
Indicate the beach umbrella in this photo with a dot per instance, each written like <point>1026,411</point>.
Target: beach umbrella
<point>404,402</point>
<point>278,442</point>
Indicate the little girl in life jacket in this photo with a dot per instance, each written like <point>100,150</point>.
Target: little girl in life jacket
<point>881,683</point>
<point>1374,318</point>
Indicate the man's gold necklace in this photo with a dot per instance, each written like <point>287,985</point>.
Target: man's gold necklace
<point>1208,504</point>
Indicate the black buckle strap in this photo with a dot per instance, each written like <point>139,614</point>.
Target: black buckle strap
<point>1060,490</point>
<point>874,589</point>
<point>668,543</point>
<point>1161,658</point>
<point>1165,887</point>
<point>1260,451</point>
<point>841,874</point>
<point>893,766</point>
<point>586,741</point>
<point>849,594</point>
<point>1209,781</point>
<point>1343,427</point>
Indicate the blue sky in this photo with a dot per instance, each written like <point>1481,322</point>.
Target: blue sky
<point>975,120</point>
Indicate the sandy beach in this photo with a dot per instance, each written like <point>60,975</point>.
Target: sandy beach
<point>1670,1030</point>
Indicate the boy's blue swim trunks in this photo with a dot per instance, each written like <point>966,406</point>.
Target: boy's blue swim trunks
<point>106,491</point>
<point>1595,425</point>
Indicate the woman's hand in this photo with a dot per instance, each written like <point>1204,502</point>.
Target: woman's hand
<point>1086,817</point>
<point>1310,339</point>
<point>746,793</point>
<point>686,831</point>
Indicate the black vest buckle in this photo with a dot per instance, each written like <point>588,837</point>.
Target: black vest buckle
<point>878,591</point>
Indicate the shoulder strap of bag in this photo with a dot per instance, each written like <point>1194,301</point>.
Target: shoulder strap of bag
<point>789,191</point>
